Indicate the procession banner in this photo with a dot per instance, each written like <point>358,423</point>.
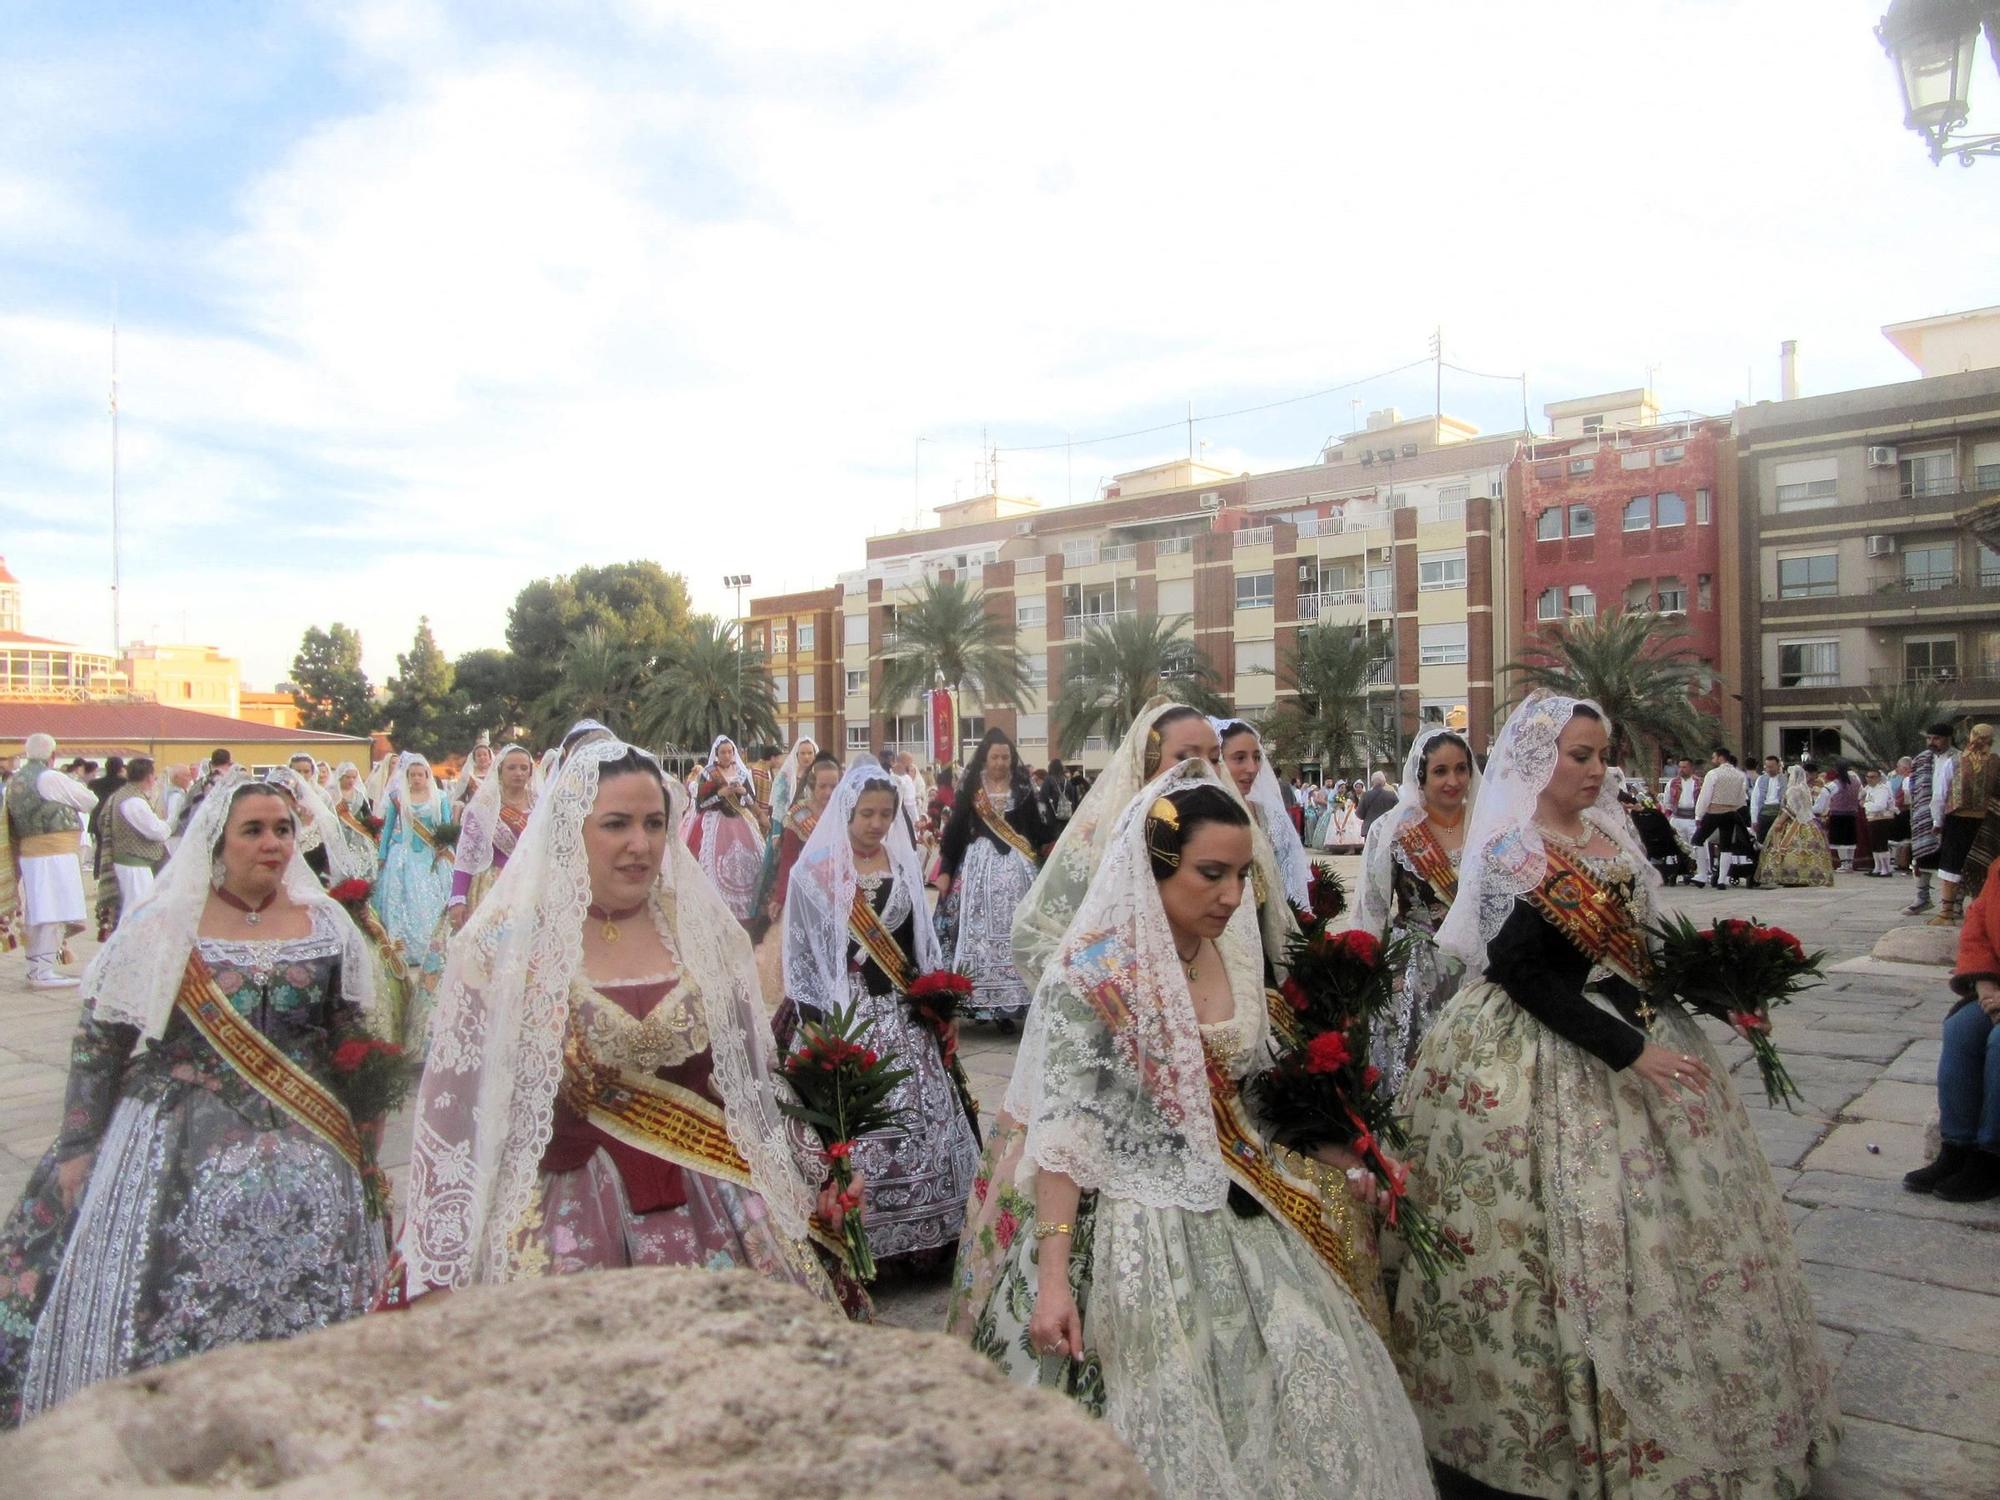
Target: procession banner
<point>944,727</point>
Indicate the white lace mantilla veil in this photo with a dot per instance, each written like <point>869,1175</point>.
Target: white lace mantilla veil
<point>738,772</point>
<point>482,813</point>
<point>1503,857</point>
<point>1376,904</point>
<point>1052,901</point>
<point>345,860</point>
<point>398,789</point>
<point>787,781</point>
<point>1111,1081</point>
<point>136,975</point>
<point>485,1107</point>
<point>1798,794</point>
<point>1288,850</point>
<point>822,891</point>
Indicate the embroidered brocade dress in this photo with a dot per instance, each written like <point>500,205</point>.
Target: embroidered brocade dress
<point>917,1174</point>
<point>410,893</point>
<point>1429,978</point>
<point>990,877</point>
<point>1795,853</point>
<point>211,1217</point>
<point>1221,1348</point>
<point>1631,1319</point>
<point>729,847</point>
<point>606,1204</point>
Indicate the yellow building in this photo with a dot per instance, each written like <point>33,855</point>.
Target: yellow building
<point>186,676</point>
<point>279,710</point>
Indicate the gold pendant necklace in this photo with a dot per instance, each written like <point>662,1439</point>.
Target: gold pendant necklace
<point>1188,964</point>
<point>611,919</point>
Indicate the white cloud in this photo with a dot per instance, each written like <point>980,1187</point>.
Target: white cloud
<point>688,285</point>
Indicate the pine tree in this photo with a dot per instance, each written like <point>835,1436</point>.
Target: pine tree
<point>328,684</point>
<point>421,709</point>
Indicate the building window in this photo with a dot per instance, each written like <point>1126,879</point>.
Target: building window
<point>1032,729</point>
<point>1638,596</point>
<point>1672,510</point>
<point>1454,494</point>
<point>857,682</point>
<point>1807,483</point>
<point>971,728</point>
<point>1581,466</point>
<point>1704,593</point>
<point>1549,525</point>
<point>1636,458</point>
<point>1928,474</point>
<point>1176,596</point>
<point>1808,664</point>
<point>1796,743</point>
<point>1931,659</point>
<point>806,636</point>
<point>1673,597</point>
<point>1930,567</point>
<point>1673,453</point>
<point>1441,570</point>
<point>1989,566</point>
<point>756,637</point>
<point>1639,513</point>
<point>1038,670</point>
<point>1582,521</point>
<point>1549,605</point>
<point>1582,603</point>
<point>781,641</point>
<point>808,690</point>
<point>1441,645</point>
<point>1030,616</point>
<point>781,688</point>
<point>1253,591</point>
<point>1703,513</point>
<point>1986,654</point>
<point>1813,577</point>
<point>1593,425</point>
<point>1256,657</point>
<point>857,736</point>
<point>1079,554</point>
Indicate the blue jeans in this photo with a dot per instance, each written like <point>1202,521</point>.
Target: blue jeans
<point>1969,1080</point>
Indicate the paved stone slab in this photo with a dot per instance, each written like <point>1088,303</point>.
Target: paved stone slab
<point>1905,1103</point>
<point>1948,1391</point>
<point>1918,1062</point>
<point>1882,1461</point>
<point>1948,1255</point>
<point>1795,1040</point>
<point>1845,1149</point>
<point>1861,1301</point>
<point>1786,1138</point>
<point>1843,1190</point>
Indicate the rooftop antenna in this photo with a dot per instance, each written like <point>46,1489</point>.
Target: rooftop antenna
<point>116,624</point>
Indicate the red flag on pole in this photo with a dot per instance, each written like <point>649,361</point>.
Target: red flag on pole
<point>944,727</point>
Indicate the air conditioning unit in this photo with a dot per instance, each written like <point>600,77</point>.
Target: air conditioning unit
<point>1386,455</point>
<point>1211,501</point>
<point>1368,455</point>
<point>1025,528</point>
<point>1881,458</point>
<point>1308,572</point>
<point>1881,545</point>
<point>1409,450</point>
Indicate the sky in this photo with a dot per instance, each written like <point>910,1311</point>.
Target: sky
<point>419,302</point>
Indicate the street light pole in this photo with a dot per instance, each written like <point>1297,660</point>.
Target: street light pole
<point>738,582</point>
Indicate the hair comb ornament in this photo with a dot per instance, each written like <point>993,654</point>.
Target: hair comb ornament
<point>1162,814</point>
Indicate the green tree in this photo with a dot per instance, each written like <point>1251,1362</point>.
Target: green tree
<point>1893,725</point>
<point>640,607</point>
<point>422,713</point>
<point>709,686</point>
<point>329,686</point>
<point>486,683</point>
<point>1115,668</point>
<point>597,678</point>
<point>1327,719</point>
<point>1640,669</point>
<point>946,631</point>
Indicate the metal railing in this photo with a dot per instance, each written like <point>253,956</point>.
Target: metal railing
<point>1169,545</point>
<point>1310,525</point>
<point>1036,564</point>
<point>1076,626</point>
<point>1975,677</point>
<point>1444,510</point>
<point>1381,600</point>
<point>1119,552</point>
<point>1079,555</point>
<point>1986,477</point>
<point>1255,536</point>
<point>1887,491</point>
<point>1924,583</point>
<point>1382,672</point>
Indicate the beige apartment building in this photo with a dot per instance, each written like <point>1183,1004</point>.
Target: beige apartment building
<point>1861,563</point>
<point>1399,528</point>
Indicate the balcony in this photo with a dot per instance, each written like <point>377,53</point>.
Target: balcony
<point>1381,599</point>
<point>1444,510</point>
<point>1076,626</point>
<point>1079,554</point>
<point>1931,488</point>
<point>1119,552</point>
<point>1255,536</point>
<point>1981,679</point>
<point>1382,672</point>
<point>1169,545</point>
<point>1314,606</point>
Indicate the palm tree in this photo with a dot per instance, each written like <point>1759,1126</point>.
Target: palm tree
<point>1328,719</point>
<point>597,678</point>
<point>1638,666</point>
<point>1893,726</point>
<point>708,685</point>
<point>1110,674</point>
<point>945,632</point>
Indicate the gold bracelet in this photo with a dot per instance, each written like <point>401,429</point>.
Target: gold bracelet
<point>1046,1231</point>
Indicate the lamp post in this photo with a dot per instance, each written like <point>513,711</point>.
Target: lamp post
<point>1933,44</point>
<point>738,582</point>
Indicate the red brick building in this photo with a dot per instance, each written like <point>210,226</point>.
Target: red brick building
<point>1628,518</point>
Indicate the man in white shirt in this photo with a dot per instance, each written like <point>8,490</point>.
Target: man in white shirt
<point>1721,814</point>
<point>45,817</point>
<point>1767,797</point>
<point>135,834</point>
<point>1683,791</point>
<point>909,788</point>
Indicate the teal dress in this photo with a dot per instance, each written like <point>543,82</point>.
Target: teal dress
<point>411,889</point>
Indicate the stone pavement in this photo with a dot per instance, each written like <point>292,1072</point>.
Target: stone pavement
<point>1907,1288</point>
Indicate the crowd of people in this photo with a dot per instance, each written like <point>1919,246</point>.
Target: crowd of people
<point>603,968</point>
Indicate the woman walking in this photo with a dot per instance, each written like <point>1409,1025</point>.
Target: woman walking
<point>721,835</point>
<point>987,858</point>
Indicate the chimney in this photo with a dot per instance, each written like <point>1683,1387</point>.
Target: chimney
<point>1788,370</point>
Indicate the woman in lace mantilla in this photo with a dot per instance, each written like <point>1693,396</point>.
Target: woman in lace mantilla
<point>856,931</point>
<point>1795,851</point>
<point>987,859</point>
<point>415,877</point>
<point>1245,763</point>
<point>791,787</point>
<point>722,836</point>
<point>185,1204</point>
<point>1409,875</point>
<point>1171,1269</point>
<point>1629,1286</point>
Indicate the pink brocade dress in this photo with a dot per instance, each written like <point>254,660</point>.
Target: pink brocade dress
<point>606,1204</point>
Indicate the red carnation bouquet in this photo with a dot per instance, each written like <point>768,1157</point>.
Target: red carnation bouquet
<point>352,893</point>
<point>936,1001</point>
<point>1320,1091</point>
<point>1736,971</point>
<point>372,1078</point>
<point>842,1087</point>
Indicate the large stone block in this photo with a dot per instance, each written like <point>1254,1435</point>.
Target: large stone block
<point>654,1382</point>
<point>1921,944</point>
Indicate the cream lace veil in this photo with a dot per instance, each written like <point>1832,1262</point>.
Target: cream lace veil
<point>1376,905</point>
<point>822,891</point>
<point>789,780</point>
<point>485,1108</point>
<point>347,856</point>
<point>1288,851</point>
<point>1111,1080</point>
<point>475,837</point>
<point>136,975</point>
<point>1504,856</point>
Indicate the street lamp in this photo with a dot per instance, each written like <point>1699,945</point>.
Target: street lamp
<point>738,582</point>
<point>1933,44</point>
